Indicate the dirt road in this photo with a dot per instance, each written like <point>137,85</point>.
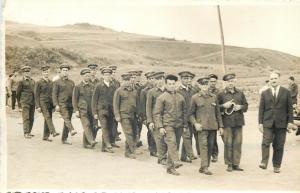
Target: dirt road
<point>36,164</point>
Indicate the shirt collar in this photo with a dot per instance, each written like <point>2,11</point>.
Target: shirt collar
<point>47,80</point>
<point>228,91</point>
<point>184,87</point>
<point>106,83</point>
<point>85,83</point>
<point>160,89</point>
<point>26,78</point>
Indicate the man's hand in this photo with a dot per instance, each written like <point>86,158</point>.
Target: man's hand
<point>57,109</point>
<point>228,104</point>
<point>39,109</point>
<point>221,131</point>
<point>118,119</point>
<point>186,132</point>
<point>95,116</point>
<point>291,127</point>
<point>261,128</point>
<point>77,114</point>
<point>198,126</point>
<point>162,131</point>
<point>151,126</point>
<point>237,107</point>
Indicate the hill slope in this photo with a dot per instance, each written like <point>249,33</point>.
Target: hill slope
<point>81,43</point>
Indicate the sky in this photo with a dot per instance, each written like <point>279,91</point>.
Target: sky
<point>272,26</point>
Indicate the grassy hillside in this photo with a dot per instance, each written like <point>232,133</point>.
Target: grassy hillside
<point>82,43</point>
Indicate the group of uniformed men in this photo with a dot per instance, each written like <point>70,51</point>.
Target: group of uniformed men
<point>170,112</point>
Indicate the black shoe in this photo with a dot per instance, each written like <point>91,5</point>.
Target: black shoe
<point>55,134</point>
<point>154,154</point>
<point>237,168</point>
<point>162,162</point>
<point>205,171</point>
<point>187,159</point>
<point>118,138</point>
<point>47,139</point>
<point>214,159</point>
<point>93,144</point>
<point>66,143</point>
<point>177,164</point>
<point>276,170</point>
<point>193,157</point>
<point>73,133</point>
<point>115,145</point>
<point>31,135</point>
<point>263,166</point>
<point>139,144</point>
<point>108,150</point>
<point>130,155</point>
<point>27,136</point>
<point>172,171</point>
<point>229,168</point>
<point>87,147</point>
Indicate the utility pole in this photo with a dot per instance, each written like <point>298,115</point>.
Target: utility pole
<point>222,39</point>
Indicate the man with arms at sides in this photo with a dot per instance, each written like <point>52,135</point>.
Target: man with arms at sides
<point>205,115</point>
<point>212,88</point>
<point>94,81</point>
<point>275,118</point>
<point>43,102</point>
<point>25,94</point>
<point>142,108</point>
<point>102,106</point>
<point>117,84</point>
<point>12,89</point>
<point>125,109</point>
<point>82,100</point>
<point>187,91</point>
<point>170,116</point>
<point>233,105</point>
<point>62,100</point>
<point>152,95</point>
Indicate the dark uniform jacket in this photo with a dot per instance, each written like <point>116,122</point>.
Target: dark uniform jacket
<point>206,111</point>
<point>43,92</point>
<point>143,100</point>
<point>170,110</point>
<point>187,93</point>
<point>82,97</point>
<point>294,92</point>
<point>151,101</point>
<point>279,111</point>
<point>236,119</point>
<point>102,101</point>
<point>95,82</point>
<point>125,102</point>
<point>62,92</point>
<point>25,91</point>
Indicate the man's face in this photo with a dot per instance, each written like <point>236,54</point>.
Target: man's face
<point>138,79</point>
<point>86,77</point>
<point>160,82</point>
<point>231,83</point>
<point>133,79</point>
<point>64,72</point>
<point>212,82</point>
<point>170,85</point>
<point>204,87</point>
<point>290,81</point>
<point>106,77</point>
<point>93,72</point>
<point>274,79</point>
<point>27,74</point>
<point>186,80</point>
<point>45,73</point>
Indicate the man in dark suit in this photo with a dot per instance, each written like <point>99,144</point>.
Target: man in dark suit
<point>275,117</point>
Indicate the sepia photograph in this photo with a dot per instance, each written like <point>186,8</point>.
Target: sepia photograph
<point>150,95</point>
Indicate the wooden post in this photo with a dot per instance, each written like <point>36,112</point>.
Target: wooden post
<point>222,39</point>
